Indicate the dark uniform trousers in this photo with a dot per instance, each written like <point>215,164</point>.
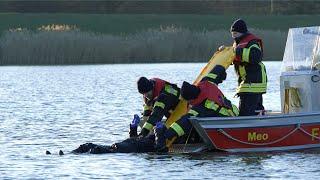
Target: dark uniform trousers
<point>250,103</point>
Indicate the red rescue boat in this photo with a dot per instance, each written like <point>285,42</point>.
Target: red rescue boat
<point>260,133</point>
<point>297,125</point>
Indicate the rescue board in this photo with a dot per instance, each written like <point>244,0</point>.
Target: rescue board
<point>224,58</point>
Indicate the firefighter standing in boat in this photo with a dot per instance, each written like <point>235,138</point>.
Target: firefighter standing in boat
<point>160,97</point>
<point>251,72</point>
<point>206,100</point>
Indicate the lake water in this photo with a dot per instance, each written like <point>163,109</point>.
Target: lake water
<point>60,107</point>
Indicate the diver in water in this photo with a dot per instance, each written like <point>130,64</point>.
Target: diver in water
<point>130,145</point>
<point>138,144</point>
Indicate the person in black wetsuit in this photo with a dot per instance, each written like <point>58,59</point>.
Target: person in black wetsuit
<point>133,144</point>
<point>130,145</point>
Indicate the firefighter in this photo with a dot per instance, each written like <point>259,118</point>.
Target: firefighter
<point>160,98</point>
<point>206,100</point>
<point>251,72</point>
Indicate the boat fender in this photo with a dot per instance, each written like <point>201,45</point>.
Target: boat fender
<point>315,78</point>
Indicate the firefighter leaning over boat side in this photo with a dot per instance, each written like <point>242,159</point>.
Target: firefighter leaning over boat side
<point>251,72</point>
<point>160,98</point>
<point>206,100</point>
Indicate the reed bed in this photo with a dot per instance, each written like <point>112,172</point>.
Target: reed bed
<point>64,44</point>
<point>133,23</point>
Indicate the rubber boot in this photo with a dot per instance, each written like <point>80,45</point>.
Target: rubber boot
<point>160,140</point>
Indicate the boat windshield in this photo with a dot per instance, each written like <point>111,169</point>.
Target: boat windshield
<point>302,50</point>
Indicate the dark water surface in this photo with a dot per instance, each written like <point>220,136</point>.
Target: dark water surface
<point>60,107</point>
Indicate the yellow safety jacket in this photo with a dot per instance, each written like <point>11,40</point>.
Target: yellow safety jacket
<point>252,76</point>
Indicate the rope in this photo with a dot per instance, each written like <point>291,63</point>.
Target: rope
<point>185,144</point>
<point>255,144</point>
<point>304,131</point>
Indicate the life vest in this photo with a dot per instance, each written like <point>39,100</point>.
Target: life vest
<point>253,78</point>
<point>158,86</point>
<point>209,91</point>
<point>244,42</point>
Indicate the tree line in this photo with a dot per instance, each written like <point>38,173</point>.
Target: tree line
<point>163,7</point>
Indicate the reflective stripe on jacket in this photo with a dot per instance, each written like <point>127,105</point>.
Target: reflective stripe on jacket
<point>252,76</point>
<point>161,85</point>
<point>208,90</point>
<point>213,99</point>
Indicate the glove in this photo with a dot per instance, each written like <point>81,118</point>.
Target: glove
<point>135,121</point>
<point>221,48</point>
<point>133,132</point>
<point>238,52</point>
<point>159,125</point>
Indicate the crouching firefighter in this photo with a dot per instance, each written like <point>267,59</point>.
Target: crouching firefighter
<point>206,100</point>
<point>160,98</point>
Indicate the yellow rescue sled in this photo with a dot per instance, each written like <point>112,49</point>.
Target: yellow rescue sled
<point>224,58</point>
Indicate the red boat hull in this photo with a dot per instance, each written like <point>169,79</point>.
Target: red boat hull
<point>260,133</point>
<point>264,137</point>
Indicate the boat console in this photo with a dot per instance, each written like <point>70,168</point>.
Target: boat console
<point>300,73</point>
